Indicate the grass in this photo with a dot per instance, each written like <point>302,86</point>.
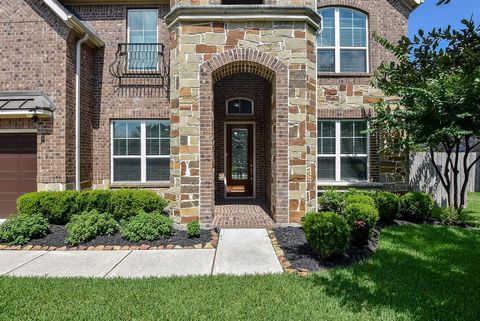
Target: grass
<point>471,214</point>
<point>420,272</point>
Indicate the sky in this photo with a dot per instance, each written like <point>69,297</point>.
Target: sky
<point>428,15</point>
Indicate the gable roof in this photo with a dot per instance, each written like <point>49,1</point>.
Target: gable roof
<point>80,27</point>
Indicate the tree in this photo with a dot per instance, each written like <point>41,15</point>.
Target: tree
<point>437,81</point>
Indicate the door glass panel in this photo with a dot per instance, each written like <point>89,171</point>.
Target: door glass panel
<point>239,153</point>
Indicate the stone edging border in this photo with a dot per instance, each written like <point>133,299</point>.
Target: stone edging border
<point>209,245</point>
<point>286,265</point>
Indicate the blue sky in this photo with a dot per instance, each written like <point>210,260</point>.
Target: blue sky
<point>429,15</point>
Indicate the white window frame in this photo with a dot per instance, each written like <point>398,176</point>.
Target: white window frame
<point>143,152</point>
<point>128,36</point>
<point>337,46</point>
<point>239,114</point>
<point>338,155</point>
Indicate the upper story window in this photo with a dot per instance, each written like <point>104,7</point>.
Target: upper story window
<point>143,44</point>
<point>342,45</point>
<point>239,106</point>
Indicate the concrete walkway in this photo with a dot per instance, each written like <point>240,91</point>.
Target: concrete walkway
<point>239,251</point>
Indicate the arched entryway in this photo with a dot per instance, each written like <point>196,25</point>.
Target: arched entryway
<point>244,135</point>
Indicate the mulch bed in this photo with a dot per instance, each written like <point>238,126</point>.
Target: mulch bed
<point>296,255</point>
<point>55,240</point>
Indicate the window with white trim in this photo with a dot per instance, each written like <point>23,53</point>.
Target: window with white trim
<point>143,39</point>
<point>140,151</point>
<point>342,45</point>
<point>239,106</point>
<point>342,148</point>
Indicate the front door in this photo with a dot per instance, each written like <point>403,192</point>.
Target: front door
<point>239,160</point>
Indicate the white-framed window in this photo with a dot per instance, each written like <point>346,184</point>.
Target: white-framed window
<point>143,39</point>
<point>140,151</point>
<point>239,106</point>
<point>343,150</point>
<point>342,46</point>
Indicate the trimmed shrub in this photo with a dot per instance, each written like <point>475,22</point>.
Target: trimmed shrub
<point>85,226</point>
<point>416,206</point>
<point>360,198</point>
<point>126,203</point>
<point>388,205</point>
<point>331,201</point>
<point>94,200</point>
<point>30,203</point>
<point>21,228</point>
<point>326,232</point>
<point>193,229</point>
<point>57,207</point>
<point>147,226</point>
<point>362,219</point>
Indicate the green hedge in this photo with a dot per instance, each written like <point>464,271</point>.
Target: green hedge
<point>326,232</point>
<point>147,226</point>
<point>362,219</point>
<point>416,206</point>
<point>388,205</point>
<point>59,207</point>
<point>360,198</point>
<point>85,226</point>
<point>331,201</point>
<point>19,229</point>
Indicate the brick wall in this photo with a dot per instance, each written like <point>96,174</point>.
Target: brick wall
<point>110,102</point>
<point>33,57</point>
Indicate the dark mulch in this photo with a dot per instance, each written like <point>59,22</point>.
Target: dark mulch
<point>302,257</point>
<point>58,234</point>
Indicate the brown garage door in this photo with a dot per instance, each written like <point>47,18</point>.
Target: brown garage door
<point>18,169</point>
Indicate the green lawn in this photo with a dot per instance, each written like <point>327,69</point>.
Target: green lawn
<point>472,212</point>
<point>419,273</point>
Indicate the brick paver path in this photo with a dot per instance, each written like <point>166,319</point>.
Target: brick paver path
<point>242,214</point>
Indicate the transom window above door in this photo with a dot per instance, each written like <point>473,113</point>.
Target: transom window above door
<point>239,106</point>
<point>342,45</point>
<point>342,148</point>
<point>143,39</point>
<point>140,151</point>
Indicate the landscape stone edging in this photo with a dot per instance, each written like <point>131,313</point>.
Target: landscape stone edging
<point>286,265</point>
<point>209,245</point>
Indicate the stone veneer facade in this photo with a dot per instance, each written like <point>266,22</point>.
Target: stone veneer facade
<point>202,53</point>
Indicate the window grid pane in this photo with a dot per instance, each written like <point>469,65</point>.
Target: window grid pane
<point>143,29</point>
<point>352,159</point>
<point>153,163</point>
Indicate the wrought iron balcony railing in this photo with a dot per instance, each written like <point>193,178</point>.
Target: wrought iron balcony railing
<point>140,64</point>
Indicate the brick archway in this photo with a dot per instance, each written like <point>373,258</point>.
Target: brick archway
<point>264,65</point>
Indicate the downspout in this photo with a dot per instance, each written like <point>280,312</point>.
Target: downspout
<point>77,110</point>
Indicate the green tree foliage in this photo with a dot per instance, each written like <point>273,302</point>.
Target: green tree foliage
<point>437,81</point>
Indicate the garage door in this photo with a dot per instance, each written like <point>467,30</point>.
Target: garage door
<point>18,169</point>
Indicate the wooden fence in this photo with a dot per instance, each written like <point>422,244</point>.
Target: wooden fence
<point>423,177</point>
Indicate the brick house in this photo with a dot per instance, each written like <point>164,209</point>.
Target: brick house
<point>212,103</point>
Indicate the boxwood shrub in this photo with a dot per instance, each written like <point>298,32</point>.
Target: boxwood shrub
<point>360,198</point>
<point>388,205</point>
<point>94,200</point>
<point>193,229</point>
<point>87,225</point>
<point>326,232</point>
<point>20,229</point>
<point>59,207</point>
<point>331,201</point>
<point>362,219</point>
<point>416,206</point>
<point>147,226</point>
<point>126,203</point>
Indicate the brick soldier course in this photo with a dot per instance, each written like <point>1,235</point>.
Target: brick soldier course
<point>214,53</point>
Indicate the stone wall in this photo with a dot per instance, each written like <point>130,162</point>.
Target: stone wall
<point>198,50</point>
